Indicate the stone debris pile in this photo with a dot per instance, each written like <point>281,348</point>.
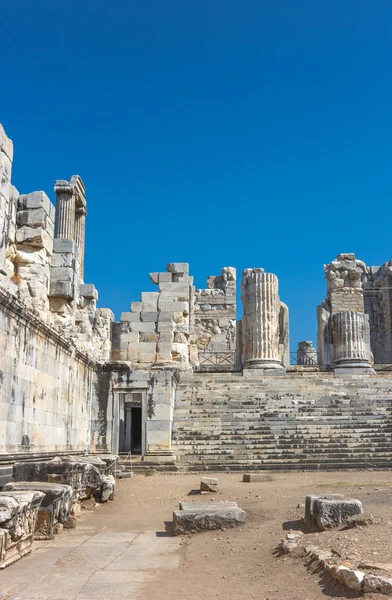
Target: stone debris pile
<point>193,517</point>
<point>46,496</point>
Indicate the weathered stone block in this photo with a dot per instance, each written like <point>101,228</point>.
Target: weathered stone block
<point>310,521</point>
<point>177,268</point>
<point>149,317</point>
<point>65,246</point>
<point>142,327</point>
<point>18,516</point>
<point>37,200</point>
<point>165,316</point>
<point>35,237</point>
<point>107,488</point>
<point>255,477</point>
<point>88,290</point>
<point>201,516</point>
<point>55,507</point>
<point>208,484</point>
<point>132,317</point>
<point>377,584</point>
<point>62,289</point>
<point>61,274</point>
<point>332,513</point>
<point>36,217</point>
<point>136,306</point>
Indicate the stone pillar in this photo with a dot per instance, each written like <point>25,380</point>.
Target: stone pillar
<point>260,324</point>
<point>80,229</point>
<point>306,354</point>
<point>351,352</point>
<point>65,210</point>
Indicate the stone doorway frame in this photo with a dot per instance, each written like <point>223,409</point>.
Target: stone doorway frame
<point>133,397</point>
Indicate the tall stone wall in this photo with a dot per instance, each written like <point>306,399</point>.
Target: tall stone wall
<point>47,388</point>
<point>53,338</point>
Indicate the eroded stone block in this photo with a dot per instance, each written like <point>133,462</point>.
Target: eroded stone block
<point>202,516</point>
<point>18,516</point>
<point>55,507</point>
<point>310,521</point>
<point>208,484</point>
<point>332,513</point>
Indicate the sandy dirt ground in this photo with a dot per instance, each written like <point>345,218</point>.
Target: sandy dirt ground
<point>244,562</point>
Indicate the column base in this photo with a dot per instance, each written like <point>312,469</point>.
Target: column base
<point>260,366</point>
<point>352,366</point>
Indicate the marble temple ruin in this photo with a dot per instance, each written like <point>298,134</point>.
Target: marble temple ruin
<point>178,381</point>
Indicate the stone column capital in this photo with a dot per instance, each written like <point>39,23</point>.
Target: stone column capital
<point>63,187</point>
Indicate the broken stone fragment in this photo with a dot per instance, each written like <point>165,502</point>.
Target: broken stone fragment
<point>55,506</point>
<point>378,584</point>
<point>332,513</point>
<point>351,578</point>
<point>107,488</point>
<point>202,516</point>
<point>208,484</point>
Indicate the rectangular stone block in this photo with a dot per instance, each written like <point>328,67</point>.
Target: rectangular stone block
<point>149,317</point>
<point>165,326</point>
<point>36,200</point>
<point>61,274</point>
<point>36,217</point>
<point>202,516</point>
<point>174,289</point>
<point>177,268</point>
<point>132,337</point>
<point>165,316</point>
<point>208,484</point>
<point>88,290</point>
<point>65,259</point>
<point>35,237</point>
<point>136,306</point>
<point>255,478</point>
<point>65,246</point>
<point>132,317</point>
<point>142,327</point>
<point>329,513</point>
<point>62,289</point>
<point>149,336</point>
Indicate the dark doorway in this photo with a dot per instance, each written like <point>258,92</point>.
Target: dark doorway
<point>136,430</point>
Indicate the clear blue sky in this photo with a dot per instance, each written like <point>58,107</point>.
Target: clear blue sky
<point>250,134</point>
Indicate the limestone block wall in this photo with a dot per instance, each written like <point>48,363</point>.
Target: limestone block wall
<point>157,328</point>
<point>47,388</point>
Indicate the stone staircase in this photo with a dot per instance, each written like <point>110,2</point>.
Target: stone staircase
<point>302,421</point>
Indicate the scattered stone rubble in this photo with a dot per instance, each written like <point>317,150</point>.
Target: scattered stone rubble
<point>46,496</point>
<point>193,517</point>
<point>334,510</point>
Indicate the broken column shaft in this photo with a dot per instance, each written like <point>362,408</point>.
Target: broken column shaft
<point>261,320</point>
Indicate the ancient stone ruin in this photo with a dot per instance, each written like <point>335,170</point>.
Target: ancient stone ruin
<point>179,382</point>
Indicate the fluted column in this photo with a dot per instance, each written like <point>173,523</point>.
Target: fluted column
<point>80,229</point>
<point>348,336</point>
<point>260,324</point>
<point>65,210</point>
